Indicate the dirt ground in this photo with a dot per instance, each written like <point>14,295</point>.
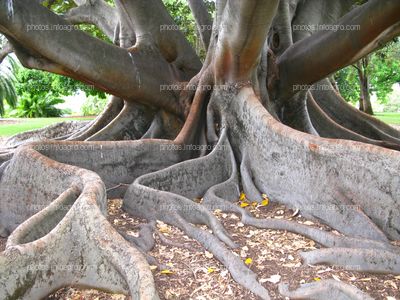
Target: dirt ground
<point>193,273</point>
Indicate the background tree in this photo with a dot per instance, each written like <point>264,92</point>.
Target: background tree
<point>374,74</point>
<point>261,100</point>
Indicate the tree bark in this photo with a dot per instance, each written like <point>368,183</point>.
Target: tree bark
<point>365,97</point>
<point>226,104</point>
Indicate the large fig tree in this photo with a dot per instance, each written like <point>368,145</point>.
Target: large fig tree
<point>260,114</point>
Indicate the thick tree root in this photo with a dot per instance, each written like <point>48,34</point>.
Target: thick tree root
<point>248,185</point>
<point>145,241</point>
<point>113,108</point>
<point>50,132</point>
<point>346,115</point>
<point>362,260</point>
<point>316,175</point>
<point>328,128</point>
<point>130,124</point>
<point>326,289</point>
<point>69,241</point>
<point>215,198</point>
<point>164,182</point>
<point>164,195</point>
<point>163,126</point>
<point>170,243</point>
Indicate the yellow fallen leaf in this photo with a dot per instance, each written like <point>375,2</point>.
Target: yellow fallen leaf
<point>153,268</point>
<point>242,196</point>
<point>210,270</point>
<point>248,261</point>
<point>254,204</point>
<point>166,272</point>
<point>265,202</point>
<point>317,279</point>
<point>163,228</point>
<point>244,204</point>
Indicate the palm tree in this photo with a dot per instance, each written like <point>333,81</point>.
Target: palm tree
<point>7,89</point>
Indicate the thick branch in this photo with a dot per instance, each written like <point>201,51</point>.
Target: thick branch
<point>203,20</point>
<point>96,12</point>
<point>314,58</point>
<point>155,27</point>
<point>244,28</point>
<point>131,76</point>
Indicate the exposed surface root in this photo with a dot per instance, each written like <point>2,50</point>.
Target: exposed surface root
<point>328,128</point>
<point>326,289</point>
<point>145,241</point>
<point>316,175</point>
<point>344,114</point>
<point>248,181</point>
<point>34,261</point>
<point>50,132</point>
<point>130,124</point>
<point>367,260</point>
<point>164,125</point>
<point>152,195</point>
<point>113,108</point>
<point>170,243</point>
<point>165,184</point>
<point>195,274</point>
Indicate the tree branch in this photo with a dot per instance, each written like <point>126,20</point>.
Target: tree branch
<point>131,76</point>
<point>314,58</point>
<point>243,30</point>
<point>155,28</point>
<point>203,20</point>
<point>98,13</point>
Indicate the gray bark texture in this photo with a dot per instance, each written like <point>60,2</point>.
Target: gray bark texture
<point>261,112</point>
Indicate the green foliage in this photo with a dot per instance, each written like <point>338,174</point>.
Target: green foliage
<point>7,81</point>
<point>182,15</point>
<point>385,71</point>
<point>348,83</point>
<point>382,72</point>
<point>94,31</point>
<point>40,91</point>
<point>393,105</point>
<point>37,106</point>
<point>34,83</point>
<point>93,106</point>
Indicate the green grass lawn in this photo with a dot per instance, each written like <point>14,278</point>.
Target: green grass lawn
<point>34,123</point>
<point>30,124</point>
<point>390,118</point>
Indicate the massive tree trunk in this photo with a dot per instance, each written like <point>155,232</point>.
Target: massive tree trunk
<point>260,101</point>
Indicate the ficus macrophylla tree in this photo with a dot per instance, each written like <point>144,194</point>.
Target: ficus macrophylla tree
<point>260,114</point>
